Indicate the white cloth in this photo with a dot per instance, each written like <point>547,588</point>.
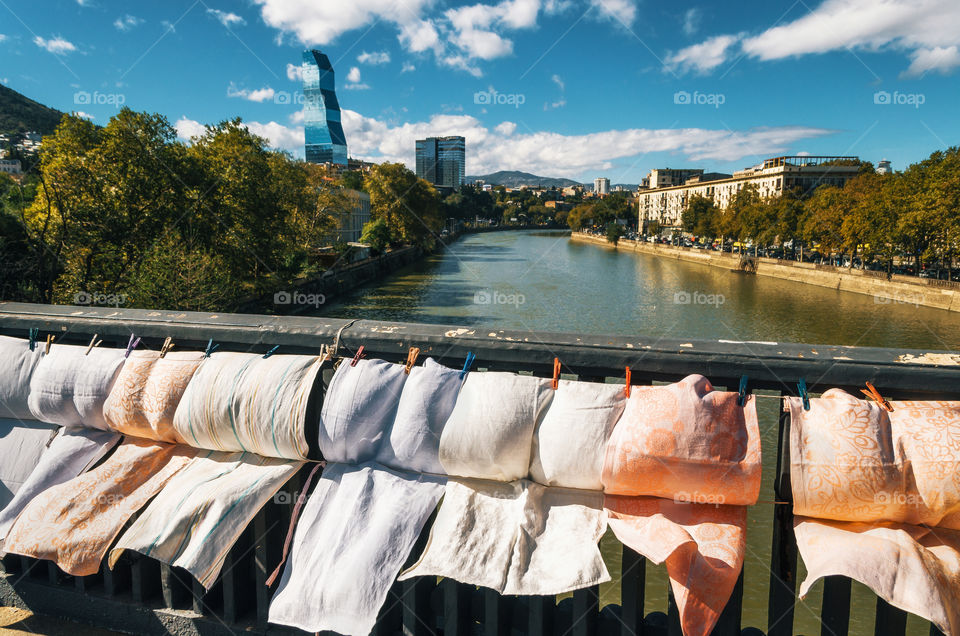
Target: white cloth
<point>570,443</point>
<point>16,369</point>
<point>21,445</point>
<point>428,397</point>
<point>245,402</point>
<point>72,452</point>
<point>69,385</point>
<point>490,432</point>
<point>516,538</point>
<point>360,404</point>
<point>356,531</point>
<point>201,512</point>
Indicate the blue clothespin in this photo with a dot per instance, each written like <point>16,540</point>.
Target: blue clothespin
<point>802,390</point>
<point>34,333</point>
<point>466,364</point>
<point>213,347</point>
<point>271,352</point>
<point>742,394</point>
<point>131,345</point>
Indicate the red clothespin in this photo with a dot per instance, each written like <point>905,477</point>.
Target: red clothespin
<point>356,358</point>
<point>412,356</point>
<point>627,388</point>
<point>874,395</point>
<point>556,373</point>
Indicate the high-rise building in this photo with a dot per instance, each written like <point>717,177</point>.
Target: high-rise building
<point>323,132</point>
<point>441,160</point>
<point>884,167</point>
<point>601,186</point>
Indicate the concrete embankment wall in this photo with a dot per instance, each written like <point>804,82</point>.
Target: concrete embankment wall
<point>899,289</point>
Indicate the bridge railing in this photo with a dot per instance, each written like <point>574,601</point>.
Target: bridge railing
<point>141,595</point>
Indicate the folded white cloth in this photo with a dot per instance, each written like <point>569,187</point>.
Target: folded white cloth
<point>360,404</point>
<point>245,402</point>
<point>72,452</point>
<point>15,373</point>
<point>201,512</point>
<point>490,432</point>
<point>570,443</point>
<point>354,535</point>
<point>426,401</point>
<point>22,443</point>
<point>69,385</point>
<point>516,538</point>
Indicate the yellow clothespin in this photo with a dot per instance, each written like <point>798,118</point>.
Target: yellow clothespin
<point>46,349</point>
<point>93,343</point>
<point>412,356</point>
<point>167,346</point>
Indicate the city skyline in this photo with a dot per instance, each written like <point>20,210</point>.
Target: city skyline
<point>557,89</point>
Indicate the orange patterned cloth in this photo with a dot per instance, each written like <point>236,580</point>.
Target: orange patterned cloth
<point>74,523</point>
<point>147,391</point>
<point>680,467</point>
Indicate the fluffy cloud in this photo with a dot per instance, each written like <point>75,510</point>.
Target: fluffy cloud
<point>80,113</point>
<point>126,22</point>
<point>226,18</point>
<point>623,11</point>
<point>691,20</point>
<point>259,95</point>
<point>295,72</point>
<point>375,58</point>
<point>927,30</point>
<point>353,75</point>
<point>408,68</point>
<point>188,128</point>
<point>353,81</point>
<point>56,45</point>
<point>703,57</point>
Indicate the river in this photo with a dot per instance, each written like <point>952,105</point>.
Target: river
<point>543,281</point>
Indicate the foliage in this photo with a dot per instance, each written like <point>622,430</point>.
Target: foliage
<point>409,206</point>
<point>614,231</point>
<point>376,234</point>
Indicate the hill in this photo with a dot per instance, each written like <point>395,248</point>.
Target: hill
<point>515,178</point>
<point>19,114</point>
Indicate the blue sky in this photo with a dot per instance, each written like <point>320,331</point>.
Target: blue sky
<point>575,88</point>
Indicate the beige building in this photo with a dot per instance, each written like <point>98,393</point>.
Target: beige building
<point>774,176</point>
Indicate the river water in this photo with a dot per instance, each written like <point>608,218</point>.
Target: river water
<point>543,281</point>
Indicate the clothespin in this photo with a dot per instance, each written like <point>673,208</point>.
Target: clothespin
<point>131,345</point>
<point>412,356</point>
<point>46,349</point>
<point>466,364</point>
<point>93,343</point>
<point>627,387</point>
<point>874,395</point>
<point>271,352</point>
<point>742,393</point>
<point>34,332</point>
<point>556,373</point>
<point>167,346</point>
<point>802,390</point>
<point>210,348</point>
<point>357,356</point>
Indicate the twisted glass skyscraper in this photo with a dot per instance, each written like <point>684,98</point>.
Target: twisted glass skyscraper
<point>323,132</point>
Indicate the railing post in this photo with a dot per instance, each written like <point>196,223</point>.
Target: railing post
<point>890,620</point>
<point>835,610</point>
<point>783,552</point>
<point>456,608</point>
<point>586,610</point>
<point>632,592</point>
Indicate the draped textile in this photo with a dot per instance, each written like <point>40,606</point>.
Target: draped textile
<point>18,366</point>
<point>70,385</point>
<point>22,443</point>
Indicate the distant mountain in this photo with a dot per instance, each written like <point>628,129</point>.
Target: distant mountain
<point>514,179</point>
<point>20,114</point>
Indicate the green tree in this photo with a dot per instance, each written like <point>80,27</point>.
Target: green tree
<point>700,216</point>
<point>376,234</point>
<point>409,206</point>
<point>614,231</point>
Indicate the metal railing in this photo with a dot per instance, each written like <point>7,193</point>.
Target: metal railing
<point>141,595</point>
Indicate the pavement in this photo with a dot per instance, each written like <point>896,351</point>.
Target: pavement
<point>15,621</point>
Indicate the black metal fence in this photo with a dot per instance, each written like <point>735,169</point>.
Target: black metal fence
<point>141,595</point>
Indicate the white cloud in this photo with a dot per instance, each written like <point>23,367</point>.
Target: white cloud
<point>80,113</point>
<point>623,11</point>
<point>505,128</point>
<point>2,37</point>
<point>295,72</point>
<point>703,57</point>
<point>408,68</point>
<point>691,20</point>
<point>127,22</point>
<point>375,58</point>
<point>56,45</point>
<point>353,75</point>
<point>226,18</point>
<point>561,102</point>
<point>258,95</point>
<point>353,81</point>
<point>942,59</point>
<point>85,3</point>
<point>556,79</point>
<point>188,128</point>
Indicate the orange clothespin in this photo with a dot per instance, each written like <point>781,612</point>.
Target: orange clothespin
<point>874,395</point>
<point>627,388</point>
<point>556,373</point>
<point>167,346</point>
<point>356,358</point>
<point>412,356</point>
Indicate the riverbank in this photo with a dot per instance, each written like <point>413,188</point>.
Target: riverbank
<point>898,289</point>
